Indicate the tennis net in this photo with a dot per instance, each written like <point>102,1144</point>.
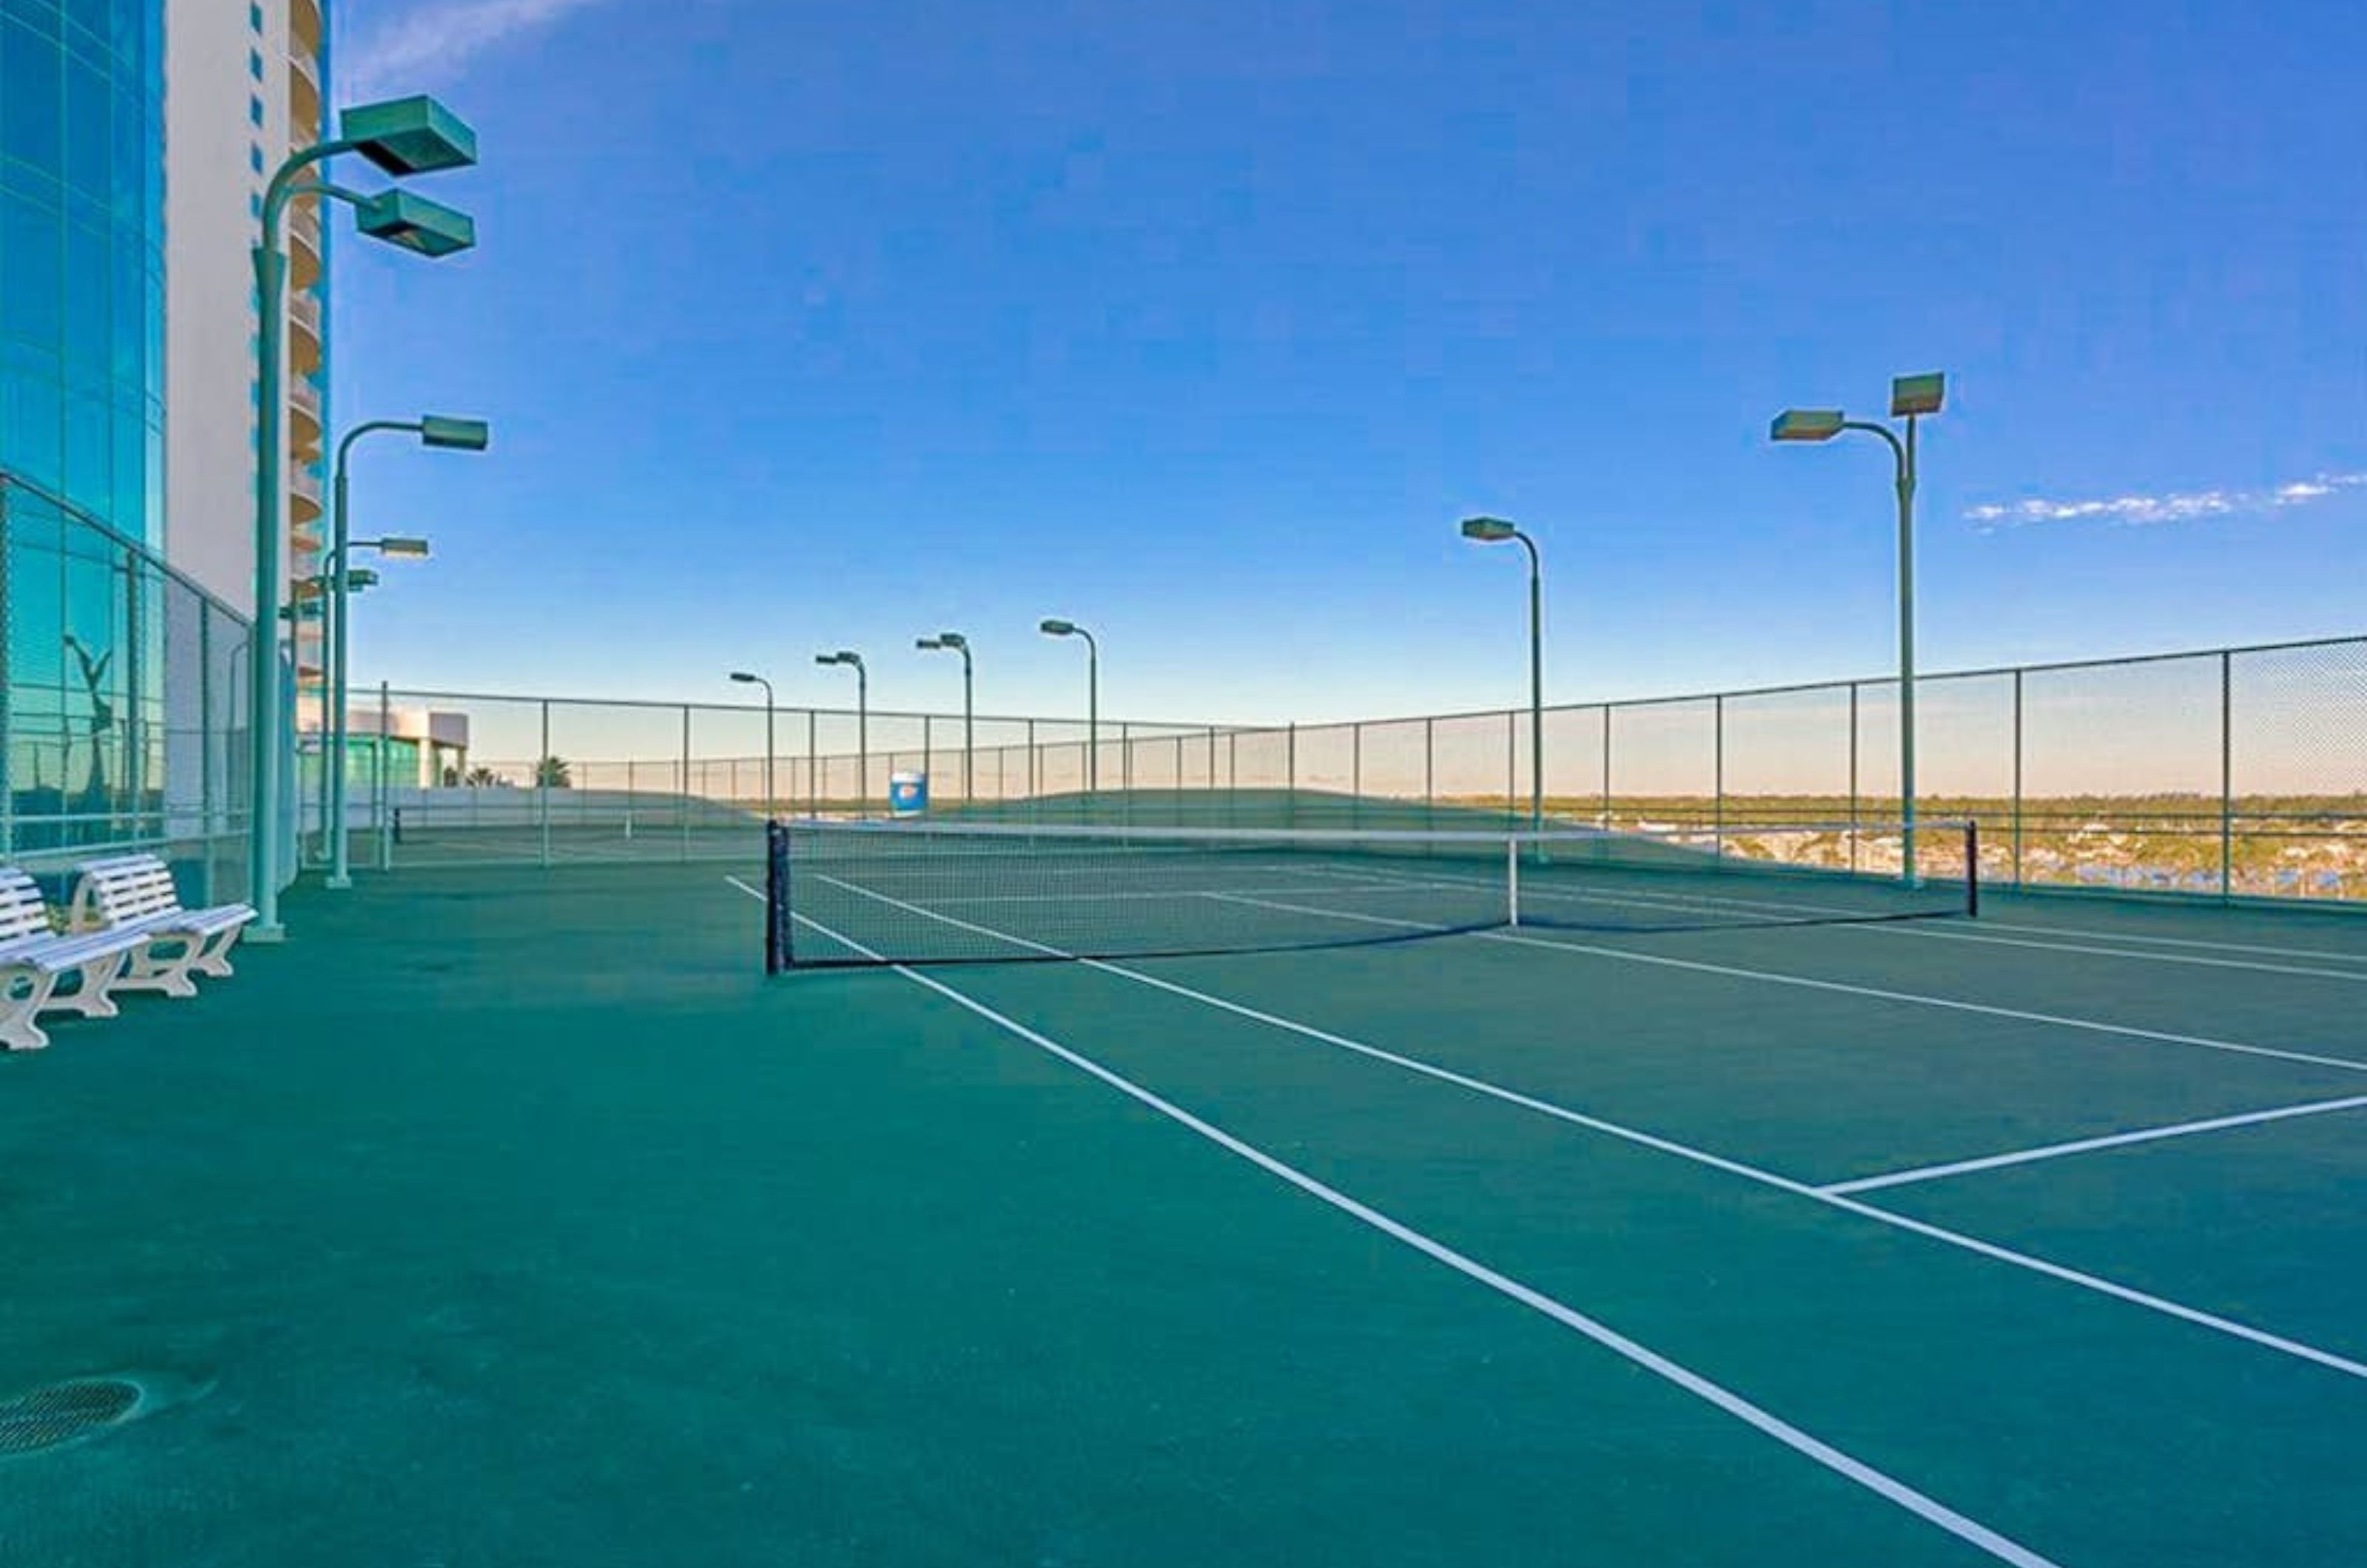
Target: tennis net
<point>916,892</point>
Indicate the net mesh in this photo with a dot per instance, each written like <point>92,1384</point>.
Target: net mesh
<point>946,893</point>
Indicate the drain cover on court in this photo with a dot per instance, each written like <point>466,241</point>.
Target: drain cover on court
<point>63,1411</point>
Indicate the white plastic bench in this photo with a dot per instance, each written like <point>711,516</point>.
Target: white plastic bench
<point>134,894</point>
<point>35,961</point>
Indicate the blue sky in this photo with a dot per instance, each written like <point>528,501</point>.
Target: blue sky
<point>806,326</point>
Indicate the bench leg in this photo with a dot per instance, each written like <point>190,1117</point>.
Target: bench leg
<point>92,981</point>
<point>162,965</point>
<point>212,954</point>
<point>22,992</point>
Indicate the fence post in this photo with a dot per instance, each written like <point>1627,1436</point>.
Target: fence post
<point>543,771</point>
<point>382,789</point>
<point>2227,773</point>
<point>1512,765</point>
<point>1717,776</point>
<point>1290,777</point>
<point>2017,780</point>
<point>683,810</point>
<point>1607,711</point>
<point>1429,772</point>
<point>1355,775</point>
<point>814,766</point>
<point>1852,763</point>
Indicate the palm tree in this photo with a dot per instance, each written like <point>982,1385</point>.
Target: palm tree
<point>481,777</point>
<point>553,772</point>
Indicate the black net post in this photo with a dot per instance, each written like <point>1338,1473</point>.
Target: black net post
<point>1972,869</point>
<point>777,897</point>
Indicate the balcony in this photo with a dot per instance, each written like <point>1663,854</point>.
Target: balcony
<point>304,497</point>
<point>303,418</point>
<point>304,310</point>
<point>304,354</point>
<point>304,243</point>
<point>303,101</point>
<point>304,29</point>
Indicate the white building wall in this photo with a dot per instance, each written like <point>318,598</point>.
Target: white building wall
<point>227,109</point>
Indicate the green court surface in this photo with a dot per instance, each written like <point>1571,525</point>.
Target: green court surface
<point>513,1216</point>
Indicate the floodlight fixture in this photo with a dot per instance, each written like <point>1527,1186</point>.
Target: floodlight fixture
<point>409,136</point>
<point>1912,395</point>
<point>1489,530</point>
<point>455,434</point>
<point>416,223</point>
<point>1806,425</point>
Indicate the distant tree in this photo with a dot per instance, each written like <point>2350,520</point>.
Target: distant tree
<point>481,778</point>
<point>451,778</point>
<point>553,772</point>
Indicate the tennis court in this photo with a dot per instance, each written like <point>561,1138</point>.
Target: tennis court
<point>513,1215</point>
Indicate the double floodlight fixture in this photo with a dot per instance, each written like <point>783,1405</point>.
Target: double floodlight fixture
<point>843,655</point>
<point>1911,397</point>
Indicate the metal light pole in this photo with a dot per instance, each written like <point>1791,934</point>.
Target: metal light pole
<point>1912,396</point>
<point>1494,531</point>
<point>747,678</point>
<point>862,722</point>
<point>433,430</point>
<point>407,136</point>
<point>960,644</point>
<point>337,581</point>
<point>1093,697</point>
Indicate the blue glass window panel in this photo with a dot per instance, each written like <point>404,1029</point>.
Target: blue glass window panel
<point>87,126</point>
<point>31,93</point>
<point>90,475</point>
<point>31,417</point>
<point>84,343</point>
<point>32,285</point>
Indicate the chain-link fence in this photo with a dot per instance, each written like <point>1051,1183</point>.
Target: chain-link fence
<point>2236,773</point>
<point>122,703</point>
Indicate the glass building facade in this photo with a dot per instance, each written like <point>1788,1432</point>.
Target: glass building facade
<point>81,256</point>
<point>118,712</point>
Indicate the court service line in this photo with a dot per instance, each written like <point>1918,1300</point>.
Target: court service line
<point>1914,998</point>
<point>1942,933</point>
<point>1705,903</point>
<point>1991,1250</point>
<point>2086,1145</point>
<point>1890,1489</point>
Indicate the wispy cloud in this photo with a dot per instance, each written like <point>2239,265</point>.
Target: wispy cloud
<point>2174,506</point>
<point>436,39</point>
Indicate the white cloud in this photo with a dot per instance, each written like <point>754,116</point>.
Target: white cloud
<point>2175,506</point>
<point>436,39</point>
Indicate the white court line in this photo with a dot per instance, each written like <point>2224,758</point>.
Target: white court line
<point>1991,1250</point>
<point>967,899</point>
<point>1859,920</point>
<point>1887,1487</point>
<point>1915,999</point>
<point>2085,1146</point>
